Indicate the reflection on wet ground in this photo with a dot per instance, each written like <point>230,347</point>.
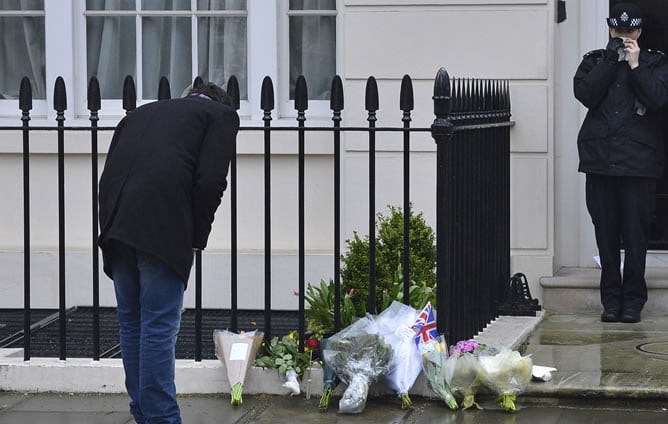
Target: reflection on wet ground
<point>596,359</point>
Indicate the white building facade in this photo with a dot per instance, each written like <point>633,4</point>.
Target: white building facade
<point>515,40</point>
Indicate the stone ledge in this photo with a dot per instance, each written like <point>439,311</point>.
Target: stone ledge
<point>576,290</point>
<point>81,375</point>
<point>509,331</point>
<point>657,278</point>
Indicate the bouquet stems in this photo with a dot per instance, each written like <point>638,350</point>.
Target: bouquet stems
<point>448,398</point>
<point>406,401</point>
<point>324,399</point>
<point>469,402</point>
<point>507,401</point>
<point>330,379</point>
<point>236,391</point>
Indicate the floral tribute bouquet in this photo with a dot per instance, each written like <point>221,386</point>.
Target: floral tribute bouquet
<point>463,369</point>
<point>359,355</point>
<point>283,354</point>
<point>434,352</point>
<point>507,373</point>
<point>395,323</point>
<point>236,352</point>
<point>330,379</point>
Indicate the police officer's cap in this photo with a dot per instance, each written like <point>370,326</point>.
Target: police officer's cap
<point>625,15</point>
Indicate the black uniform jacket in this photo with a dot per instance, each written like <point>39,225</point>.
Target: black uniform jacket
<point>622,133</point>
<point>164,178</point>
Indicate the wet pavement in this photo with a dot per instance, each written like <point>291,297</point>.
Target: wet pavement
<point>607,373</point>
<point>110,409</point>
<point>596,359</point>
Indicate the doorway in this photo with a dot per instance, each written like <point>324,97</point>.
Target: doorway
<point>655,36</point>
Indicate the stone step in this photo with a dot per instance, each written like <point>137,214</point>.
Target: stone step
<point>576,290</point>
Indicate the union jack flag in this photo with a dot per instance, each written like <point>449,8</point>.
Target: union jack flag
<point>425,326</point>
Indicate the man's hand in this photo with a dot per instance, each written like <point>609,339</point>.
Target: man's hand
<point>611,50</point>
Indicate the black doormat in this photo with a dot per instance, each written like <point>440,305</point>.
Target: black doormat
<point>45,337</point>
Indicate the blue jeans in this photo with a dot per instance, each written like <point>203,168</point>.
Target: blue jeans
<point>149,297</point>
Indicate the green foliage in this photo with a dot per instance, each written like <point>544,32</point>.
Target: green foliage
<point>320,313</point>
<point>419,292</point>
<point>360,353</point>
<point>389,257</point>
<point>283,354</point>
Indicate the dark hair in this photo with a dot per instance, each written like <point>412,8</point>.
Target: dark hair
<point>212,91</point>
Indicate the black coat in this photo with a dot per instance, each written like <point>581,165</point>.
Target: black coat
<point>615,139</point>
<point>164,178</point>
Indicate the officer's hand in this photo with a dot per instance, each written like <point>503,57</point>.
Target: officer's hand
<point>614,44</point>
<point>632,53</point>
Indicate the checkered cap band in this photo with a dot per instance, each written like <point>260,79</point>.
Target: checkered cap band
<point>625,15</point>
<point>627,23</point>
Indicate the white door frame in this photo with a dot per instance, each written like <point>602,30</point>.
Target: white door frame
<point>593,35</point>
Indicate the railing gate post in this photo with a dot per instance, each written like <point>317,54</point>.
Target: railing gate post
<point>442,130</point>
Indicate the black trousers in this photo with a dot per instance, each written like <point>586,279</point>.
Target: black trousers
<point>621,209</point>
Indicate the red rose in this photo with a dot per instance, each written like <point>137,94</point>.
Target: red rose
<point>312,344</point>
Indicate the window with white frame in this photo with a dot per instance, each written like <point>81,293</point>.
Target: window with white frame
<point>22,47</point>
<point>312,46</point>
<point>178,39</point>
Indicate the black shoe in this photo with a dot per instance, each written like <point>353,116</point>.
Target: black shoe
<point>630,316</point>
<point>610,315</point>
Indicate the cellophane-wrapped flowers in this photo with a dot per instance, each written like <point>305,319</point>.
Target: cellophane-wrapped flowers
<point>330,379</point>
<point>236,352</point>
<point>434,355</point>
<point>395,323</point>
<point>507,373</point>
<point>359,356</point>
<point>463,369</point>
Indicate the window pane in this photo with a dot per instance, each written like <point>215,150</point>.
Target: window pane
<point>111,52</point>
<point>110,4</point>
<point>222,51</point>
<point>22,53</point>
<point>313,54</point>
<point>22,5</point>
<point>166,51</point>
<point>312,4</point>
<point>221,4</point>
<point>166,4</point>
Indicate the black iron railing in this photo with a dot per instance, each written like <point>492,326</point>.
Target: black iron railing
<point>472,133</point>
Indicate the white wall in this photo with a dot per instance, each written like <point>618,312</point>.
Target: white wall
<point>511,40</point>
<point>216,264</point>
<point>567,117</point>
<point>483,39</point>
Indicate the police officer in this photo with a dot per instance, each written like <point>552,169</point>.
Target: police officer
<point>621,152</point>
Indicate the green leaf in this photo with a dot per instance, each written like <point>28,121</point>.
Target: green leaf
<point>389,257</point>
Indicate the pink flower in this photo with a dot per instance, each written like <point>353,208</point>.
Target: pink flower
<point>351,292</point>
<point>295,293</point>
<point>464,346</point>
